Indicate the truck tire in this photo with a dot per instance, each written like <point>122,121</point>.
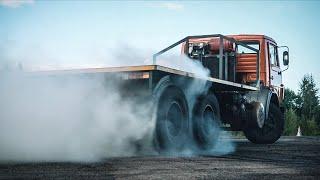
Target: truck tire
<point>270,131</point>
<point>171,118</point>
<point>206,121</point>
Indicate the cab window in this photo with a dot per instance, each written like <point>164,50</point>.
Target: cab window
<point>273,55</point>
<point>244,50</point>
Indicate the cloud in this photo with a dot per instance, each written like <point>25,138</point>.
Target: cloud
<point>171,6</point>
<point>15,3</point>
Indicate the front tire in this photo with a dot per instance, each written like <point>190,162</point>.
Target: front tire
<point>271,130</point>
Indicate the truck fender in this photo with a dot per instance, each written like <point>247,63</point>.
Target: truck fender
<point>264,96</point>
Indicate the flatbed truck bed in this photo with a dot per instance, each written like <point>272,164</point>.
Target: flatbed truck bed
<point>219,83</point>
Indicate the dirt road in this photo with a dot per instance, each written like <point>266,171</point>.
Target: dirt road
<point>289,158</point>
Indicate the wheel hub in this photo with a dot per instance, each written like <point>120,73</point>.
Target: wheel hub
<point>259,114</point>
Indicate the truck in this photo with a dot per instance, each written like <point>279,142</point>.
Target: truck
<point>243,90</point>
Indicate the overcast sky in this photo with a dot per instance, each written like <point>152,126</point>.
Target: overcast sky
<point>55,32</point>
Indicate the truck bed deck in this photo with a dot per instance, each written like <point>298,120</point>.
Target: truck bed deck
<point>216,81</point>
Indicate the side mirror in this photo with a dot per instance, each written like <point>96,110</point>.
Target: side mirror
<point>285,58</point>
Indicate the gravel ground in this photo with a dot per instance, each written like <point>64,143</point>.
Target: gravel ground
<point>289,158</point>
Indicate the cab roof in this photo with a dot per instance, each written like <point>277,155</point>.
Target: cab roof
<point>250,36</point>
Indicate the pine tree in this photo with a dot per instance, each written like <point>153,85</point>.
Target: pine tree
<point>289,101</point>
<point>308,99</point>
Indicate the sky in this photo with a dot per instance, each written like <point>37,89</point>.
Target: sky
<point>83,32</point>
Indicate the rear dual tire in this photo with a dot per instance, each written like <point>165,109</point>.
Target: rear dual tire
<point>206,121</point>
<point>172,119</point>
<point>172,116</point>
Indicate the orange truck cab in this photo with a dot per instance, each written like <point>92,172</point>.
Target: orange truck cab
<point>244,60</point>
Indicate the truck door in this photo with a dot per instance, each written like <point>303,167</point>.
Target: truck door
<point>275,70</point>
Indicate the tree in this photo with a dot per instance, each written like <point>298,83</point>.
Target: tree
<point>290,99</point>
<point>308,100</point>
<point>302,109</point>
<point>291,123</point>
<point>309,127</point>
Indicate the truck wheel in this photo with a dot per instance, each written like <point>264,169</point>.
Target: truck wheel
<point>171,118</point>
<point>206,121</point>
<point>271,129</point>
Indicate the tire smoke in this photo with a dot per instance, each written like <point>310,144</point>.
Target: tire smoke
<point>80,118</point>
<point>67,119</point>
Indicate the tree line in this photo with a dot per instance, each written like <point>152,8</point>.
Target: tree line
<point>302,109</point>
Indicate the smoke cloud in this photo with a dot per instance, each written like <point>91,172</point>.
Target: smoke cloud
<point>83,118</point>
<point>72,119</point>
